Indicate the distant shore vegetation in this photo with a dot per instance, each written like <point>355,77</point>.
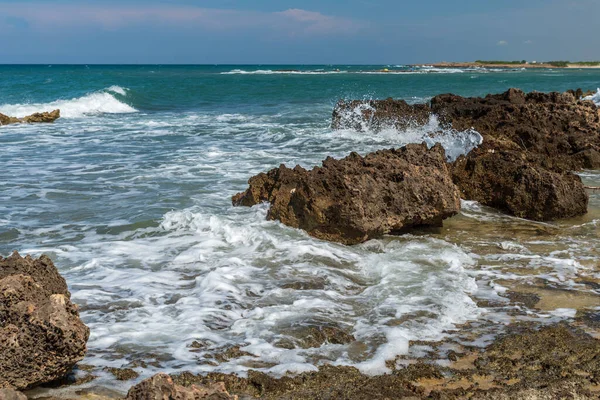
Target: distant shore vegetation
<point>553,63</point>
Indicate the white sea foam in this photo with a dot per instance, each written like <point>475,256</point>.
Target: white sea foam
<point>284,72</point>
<point>454,142</point>
<point>594,97</point>
<point>101,102</point>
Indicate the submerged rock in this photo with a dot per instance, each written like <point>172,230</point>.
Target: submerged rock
<point>162,387</point>
<point>43,117</point>
<point>554,362</point>
<point>359,198</point>
<point>41,335</point>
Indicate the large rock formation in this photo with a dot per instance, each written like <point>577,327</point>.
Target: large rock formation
<point>530,143</point>
<point>162,387</point>
<point>359,198</point>
<point>507,180</point>
<point>43,117</point>
<point>41,335</point>
<point>562,130</point>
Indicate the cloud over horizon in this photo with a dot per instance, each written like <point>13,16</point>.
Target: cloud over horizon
<point>278,31</point>
<point>46,17</point>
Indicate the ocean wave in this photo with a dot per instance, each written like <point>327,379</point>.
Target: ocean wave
<point>594,97</point>
<point>285,72</point>
<point>100,102</point>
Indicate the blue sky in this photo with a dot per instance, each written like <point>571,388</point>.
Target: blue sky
<point>294,32</point>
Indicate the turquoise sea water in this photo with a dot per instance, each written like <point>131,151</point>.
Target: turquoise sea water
<point>129,193</point>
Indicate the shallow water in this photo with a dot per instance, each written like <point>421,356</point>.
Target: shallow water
<point>129,193</point>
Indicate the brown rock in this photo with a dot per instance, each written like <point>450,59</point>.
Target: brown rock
<point>375,115</point>
<point>10,394</point>
<point>161,387</point>
<point>359,198</point>
<point>122,374</point>
<point>43,117</point>
<point>41,335</point>
<point>554,126</point>
<point>506,180</point>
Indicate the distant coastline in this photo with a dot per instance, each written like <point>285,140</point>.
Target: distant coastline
<point>513,64</point>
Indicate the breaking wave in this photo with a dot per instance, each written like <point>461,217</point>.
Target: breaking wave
<point>100,102</point>
<point>594,97</point>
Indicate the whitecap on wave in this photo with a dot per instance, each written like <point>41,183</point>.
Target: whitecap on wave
<point>100,102</point>
<point>594,97</point>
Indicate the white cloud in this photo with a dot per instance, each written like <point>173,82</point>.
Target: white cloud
<point>502,43</point>
<point>43,16</point>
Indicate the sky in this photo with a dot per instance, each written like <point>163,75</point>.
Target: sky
<point>296,32</point>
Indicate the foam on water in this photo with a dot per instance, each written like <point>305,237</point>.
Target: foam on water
<point>455,143</point>
<point>594,97</point>
<point>101,102</point>
<point>136,213</point>
<point>228,281</point>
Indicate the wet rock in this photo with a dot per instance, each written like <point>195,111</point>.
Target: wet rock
<point>558,127</point>
<point>312,336</point>
<point>359,198</point>
<point>41,335</point>
<point>122,374</point>
<point>553,362</point>
<point>10,394</point>
<point>375,115</point>
<point>43,117</point>
<point>162,387</point>
<point>509,181</point>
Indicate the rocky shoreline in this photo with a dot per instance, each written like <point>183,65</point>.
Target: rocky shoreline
<point>532,144</point>
<point>43,117</point>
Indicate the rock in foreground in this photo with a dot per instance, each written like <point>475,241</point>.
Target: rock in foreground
<point>161,387</point>
<point>554,362</point>
<point>43,117</point>
<point>41,335</point>
<point>360,198</point>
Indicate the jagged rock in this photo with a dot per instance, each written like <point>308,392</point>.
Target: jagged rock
<point>530,143</point>
<point>562,130</point>
<point>162,387</point>
<point>375,115</point>
<point>359,198</point>
<point>43,117</point>
<point>507,180</point>
<point>41,335</point>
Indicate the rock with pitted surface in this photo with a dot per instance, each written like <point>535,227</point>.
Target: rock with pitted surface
<point>41,335</point>
<point>558,127</point>
<point>507,180</point>
<point>375,115</point>
<point>162,387</point>
<point>359,198</point>
<point>530,143</point>
<point>43,117</point>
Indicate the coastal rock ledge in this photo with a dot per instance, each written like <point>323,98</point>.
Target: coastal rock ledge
<point>41,335</point>
<point>359,198</point>
<point>531,143</point>
<point>43,117</point>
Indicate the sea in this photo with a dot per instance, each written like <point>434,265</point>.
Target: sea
<point>129,193</point>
